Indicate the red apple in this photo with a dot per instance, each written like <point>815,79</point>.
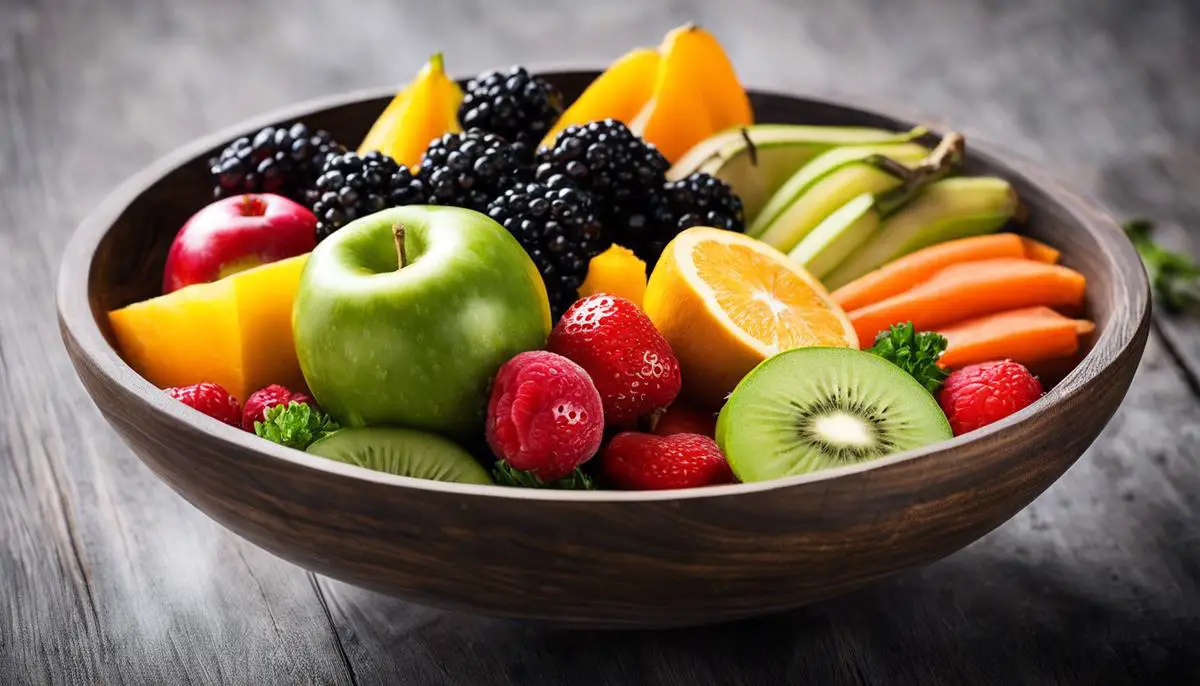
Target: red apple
<point>235,234</point>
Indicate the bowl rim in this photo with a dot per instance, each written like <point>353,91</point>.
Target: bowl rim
<point>77,323</point>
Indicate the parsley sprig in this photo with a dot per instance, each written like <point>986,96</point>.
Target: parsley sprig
<point>1174,276</point>
<point>296,425</point>
<point>506,475</point>
<point>915,353</point>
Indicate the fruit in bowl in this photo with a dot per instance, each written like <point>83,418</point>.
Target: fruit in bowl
<point>235,331</point>
<point>403,317</point>
<point>392,456</point>
<point>412,299</point>
<point>236,234</point>
<point>816,408</point>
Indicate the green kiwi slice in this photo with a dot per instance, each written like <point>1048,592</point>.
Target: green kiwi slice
<point>815,408</point>
<point>405,452</point>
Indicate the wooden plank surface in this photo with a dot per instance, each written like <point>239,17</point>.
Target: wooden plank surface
<point>107,576</point>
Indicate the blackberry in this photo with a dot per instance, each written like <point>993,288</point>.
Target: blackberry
<point>283,160</point>
<point>352,186</point>
<point>704,200</point>
<point>515,105</point>
<point>470,169</point>
<point>557,225</point>
<point>626,175</point>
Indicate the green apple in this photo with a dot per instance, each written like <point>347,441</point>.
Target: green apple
<point>403,317</point>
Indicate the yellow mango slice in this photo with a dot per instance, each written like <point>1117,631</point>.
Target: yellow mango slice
<point>382,130</point>
<point>185,337</point>
<point>235,332</point>
<point>264,308</point>
<point>620,92</point>
<point>696,94</point>
<point>677,117</point>
<point>424,110</point>
<point>724,96</point>
<point>616,271</point>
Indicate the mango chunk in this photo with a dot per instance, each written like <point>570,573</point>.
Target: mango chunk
<point>674,96</point>
<point>616,271</point>
<point>236,332</point>
<point>421,112</point>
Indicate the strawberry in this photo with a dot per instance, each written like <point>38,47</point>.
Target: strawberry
<point>260,400</point>
<point>681,418</point>
<point>544,416</point>
<point>645,462</point>
<point>211,399</point>
<point>980,394</point>
<point>628,359</point>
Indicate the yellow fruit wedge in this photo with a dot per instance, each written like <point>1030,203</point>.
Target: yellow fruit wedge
<point>236,332</point>
<point>696,94</point>
<point>674,97</point>
<point>677,115</point>
<point>616,271</point>
<point>184,337</point>
<point>725,98</point>
<point>620,92</point>
<point>726,302</point>
<point>423,110</point>
<point>384,127</point>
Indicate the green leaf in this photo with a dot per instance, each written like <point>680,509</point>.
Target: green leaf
<point>915,353</point>
<point>296,425</point>
<point>506,475</point>
<point>1174,276</point>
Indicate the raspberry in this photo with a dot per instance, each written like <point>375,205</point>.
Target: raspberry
<point>630,362</point>
<point>980,394</point>
<point>685,419</point>
<point>211,399</point>
<point>644,462</point>
<point>545,415</point>
<point>272,395</point>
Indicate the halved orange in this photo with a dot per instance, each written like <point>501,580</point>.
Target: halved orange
<point>725,302</point>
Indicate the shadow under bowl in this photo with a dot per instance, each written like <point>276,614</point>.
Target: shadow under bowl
<point>597,559</point>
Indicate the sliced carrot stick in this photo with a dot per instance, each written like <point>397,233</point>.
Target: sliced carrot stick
<point>1029,335</point>
<point>972,289</point>
<point>1039,251</point>
<point>908,271</point>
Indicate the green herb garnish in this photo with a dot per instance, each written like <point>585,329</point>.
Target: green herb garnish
<point>505,475</point>
<point>915,353</point>
<point>1174,276</point>
<point>295,425</point>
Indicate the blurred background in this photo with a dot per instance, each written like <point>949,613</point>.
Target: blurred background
<point>1100,91</point>
<point>107,571</point>
<point>133,79</point>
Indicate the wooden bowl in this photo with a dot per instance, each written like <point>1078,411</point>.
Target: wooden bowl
<point>603,558</point>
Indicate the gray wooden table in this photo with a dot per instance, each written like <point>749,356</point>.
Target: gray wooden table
<point>106,576</point>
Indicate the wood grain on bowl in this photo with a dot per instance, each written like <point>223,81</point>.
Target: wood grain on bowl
<point>600,558</point>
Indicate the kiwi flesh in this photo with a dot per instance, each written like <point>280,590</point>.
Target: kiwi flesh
<point>404,452</point>
<point>816,408</point>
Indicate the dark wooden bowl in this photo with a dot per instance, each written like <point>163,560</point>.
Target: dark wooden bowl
<point>611,559</point>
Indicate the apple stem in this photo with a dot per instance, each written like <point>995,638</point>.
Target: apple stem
<point>252,206</point>
<point>401,255</point>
